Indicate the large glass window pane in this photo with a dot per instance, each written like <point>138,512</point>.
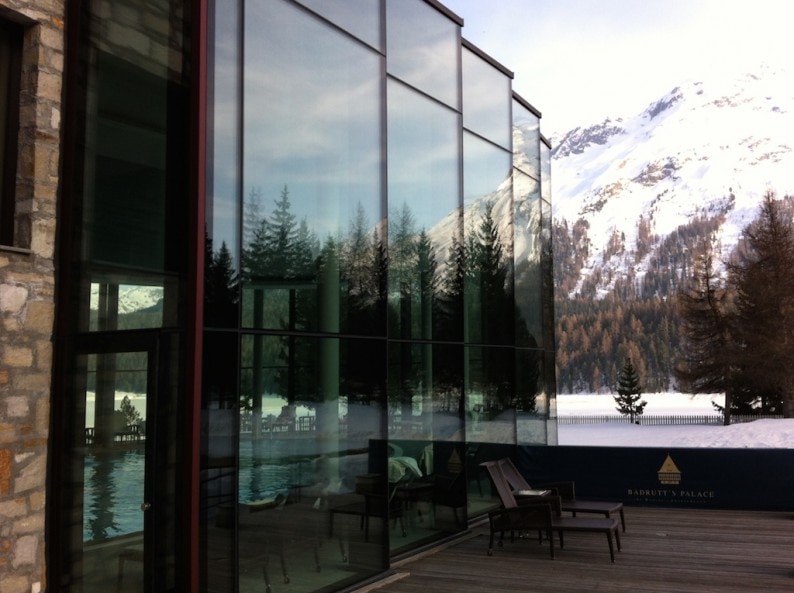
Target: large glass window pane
<point>491,394</point>
<point>545,170</point>
<point>422,48</point>
<point>114,466</point>
<point>526,139</point>
<point>222,258</point>
<point>532,405</point>
<point>122,396</point>
<point>312,175</point>
<point>359,17</point>
<point>134,197</point>
<point>550,386</point>
<point>486,99</point>
<point>219,429</point>
<point>488,235</point>
<point>546,261</point>
<point>425,387</point>
<point>312,459</point>
<point>424,217</point>
<point>528,249</point>
<point>427,473</point>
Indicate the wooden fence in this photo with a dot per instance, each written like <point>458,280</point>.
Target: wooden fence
<point>713,419</point>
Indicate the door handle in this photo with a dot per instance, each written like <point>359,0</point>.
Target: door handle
<point>145,506</point>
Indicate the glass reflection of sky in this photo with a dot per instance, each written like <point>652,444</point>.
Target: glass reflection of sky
<point>222,209</point>
<point>360,17</point>
<point>311,118</point>
<point>486,100</point>
<point>486,169</point>
<point>426,56</point>
<point>423,156</point>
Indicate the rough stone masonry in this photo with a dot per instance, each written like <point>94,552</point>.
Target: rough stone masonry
<point>27,298</point>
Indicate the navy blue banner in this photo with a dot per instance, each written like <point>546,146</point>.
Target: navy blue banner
<point>761,479</point>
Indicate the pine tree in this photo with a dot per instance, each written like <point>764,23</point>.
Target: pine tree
<point>629,390</point>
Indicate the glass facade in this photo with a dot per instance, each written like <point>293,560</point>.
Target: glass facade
<point>119,448</point>
<point>373,299</point>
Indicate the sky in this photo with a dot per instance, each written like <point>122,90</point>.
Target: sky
<point>579,61</point>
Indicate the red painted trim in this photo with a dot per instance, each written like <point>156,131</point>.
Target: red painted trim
<point>196,320</point>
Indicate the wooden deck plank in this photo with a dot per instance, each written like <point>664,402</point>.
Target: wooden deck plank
<point>664,551</point>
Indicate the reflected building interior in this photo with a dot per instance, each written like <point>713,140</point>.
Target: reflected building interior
<point>375,312</point>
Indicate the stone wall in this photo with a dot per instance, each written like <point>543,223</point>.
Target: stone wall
<point>27,299</point>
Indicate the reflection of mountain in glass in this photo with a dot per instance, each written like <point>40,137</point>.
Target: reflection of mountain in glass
<point>294,283</point>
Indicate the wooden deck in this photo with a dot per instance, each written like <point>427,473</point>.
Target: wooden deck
<point>664,551</point>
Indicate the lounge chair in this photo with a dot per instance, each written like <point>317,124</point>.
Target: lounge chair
<point>519,517</point>
<point>566,492</point>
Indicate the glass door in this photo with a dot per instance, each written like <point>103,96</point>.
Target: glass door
<point>119,467</point>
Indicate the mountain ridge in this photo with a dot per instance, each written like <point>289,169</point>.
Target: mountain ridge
<point>706,148</point>
<point>634,200</point>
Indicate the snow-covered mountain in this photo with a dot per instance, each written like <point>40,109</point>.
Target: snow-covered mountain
<point>707,148</point>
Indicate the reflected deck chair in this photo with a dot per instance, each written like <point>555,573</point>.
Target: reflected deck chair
<point>566,492</point>
<point>514,517</point>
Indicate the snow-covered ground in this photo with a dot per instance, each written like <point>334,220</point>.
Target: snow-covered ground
<point>757,434</point>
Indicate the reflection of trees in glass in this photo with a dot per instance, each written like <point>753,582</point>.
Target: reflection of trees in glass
<point>489,283</point>
<point>220,286</point>
<point>528,380</point>
<point>490,305</point>
<point>296,284</point>
<point>364,272</point>
<point>277,247</point>
<point>425,303</point>
<point>363,266</point>
<point>101,520</point>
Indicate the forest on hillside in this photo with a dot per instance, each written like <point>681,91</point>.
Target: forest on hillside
<point>604,317</point>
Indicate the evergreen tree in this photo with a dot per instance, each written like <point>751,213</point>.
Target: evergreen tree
<point>359,263</point>
<point>764,284</point>
<point>427,283</point>
<point>254,236</point>
<point>220,286</point>
<point>281,240</point>
<point>707,353</point>
<point>449,319</point>
<point>628,398</point>
<point>490,306</point>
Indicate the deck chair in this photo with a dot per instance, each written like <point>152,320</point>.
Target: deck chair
<point>566,492</point>
<point>511,509</point>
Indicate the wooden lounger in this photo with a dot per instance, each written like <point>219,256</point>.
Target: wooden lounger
<point>566,492</point>
<point>527,516</point>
